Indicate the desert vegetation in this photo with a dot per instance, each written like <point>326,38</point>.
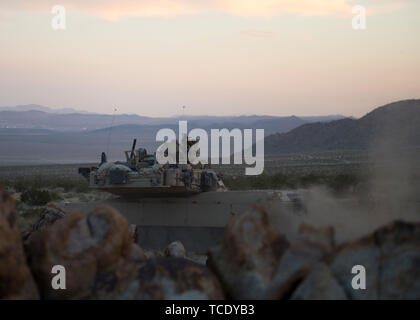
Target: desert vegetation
<point>39,182</point>
<point>33,192</point>
<point>338,183</point>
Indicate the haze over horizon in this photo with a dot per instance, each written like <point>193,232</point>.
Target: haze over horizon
<point>224,57</point>
<point>180,114</point>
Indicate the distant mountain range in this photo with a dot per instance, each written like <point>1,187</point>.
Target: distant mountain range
<point>40,117</point>
<point>38,134</point>
<point>395,124</point>
<point>37,107</point>
<point>43,137</point>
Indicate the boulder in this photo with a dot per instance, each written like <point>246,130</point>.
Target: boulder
<point>391,258</point>
<point>311,246</point>
<point>247,259</point>
<point>86,245</point>
<point>176,250</point>
<point>256,262</point>
<point>16,281</point>
<point>158,279</point>
<point>319,284</point>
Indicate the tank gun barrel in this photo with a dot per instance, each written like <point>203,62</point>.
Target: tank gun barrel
<point>133,148</point>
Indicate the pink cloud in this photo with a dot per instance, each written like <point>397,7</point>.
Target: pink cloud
<point>274,7</point>
<point>114,10</point>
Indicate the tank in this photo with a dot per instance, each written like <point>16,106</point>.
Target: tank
<point>140,175</point>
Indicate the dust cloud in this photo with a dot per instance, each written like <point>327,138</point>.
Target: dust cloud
<point>389,192</point>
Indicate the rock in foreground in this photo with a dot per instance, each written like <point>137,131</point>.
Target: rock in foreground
<point>157,279</point>
<point>248,256</point>
<point>86,245</point>
<point>16,281</point>
<point>254,261</point>
<point>391,257</point>
<point>175,249</point>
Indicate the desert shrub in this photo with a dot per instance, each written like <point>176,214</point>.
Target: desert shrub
<point>75,184</point>
<point>22,184</point>
<point>38,197</point>
<point>343,182</point>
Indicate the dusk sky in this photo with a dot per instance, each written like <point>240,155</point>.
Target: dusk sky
<point>223,57</point>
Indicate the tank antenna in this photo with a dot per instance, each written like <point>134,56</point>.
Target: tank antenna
<point>109,132</point>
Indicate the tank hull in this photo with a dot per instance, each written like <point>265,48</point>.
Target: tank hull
<point>198,221</point>
<point>130,192</point>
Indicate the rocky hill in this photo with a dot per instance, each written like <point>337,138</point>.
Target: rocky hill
<point>396,123</point>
